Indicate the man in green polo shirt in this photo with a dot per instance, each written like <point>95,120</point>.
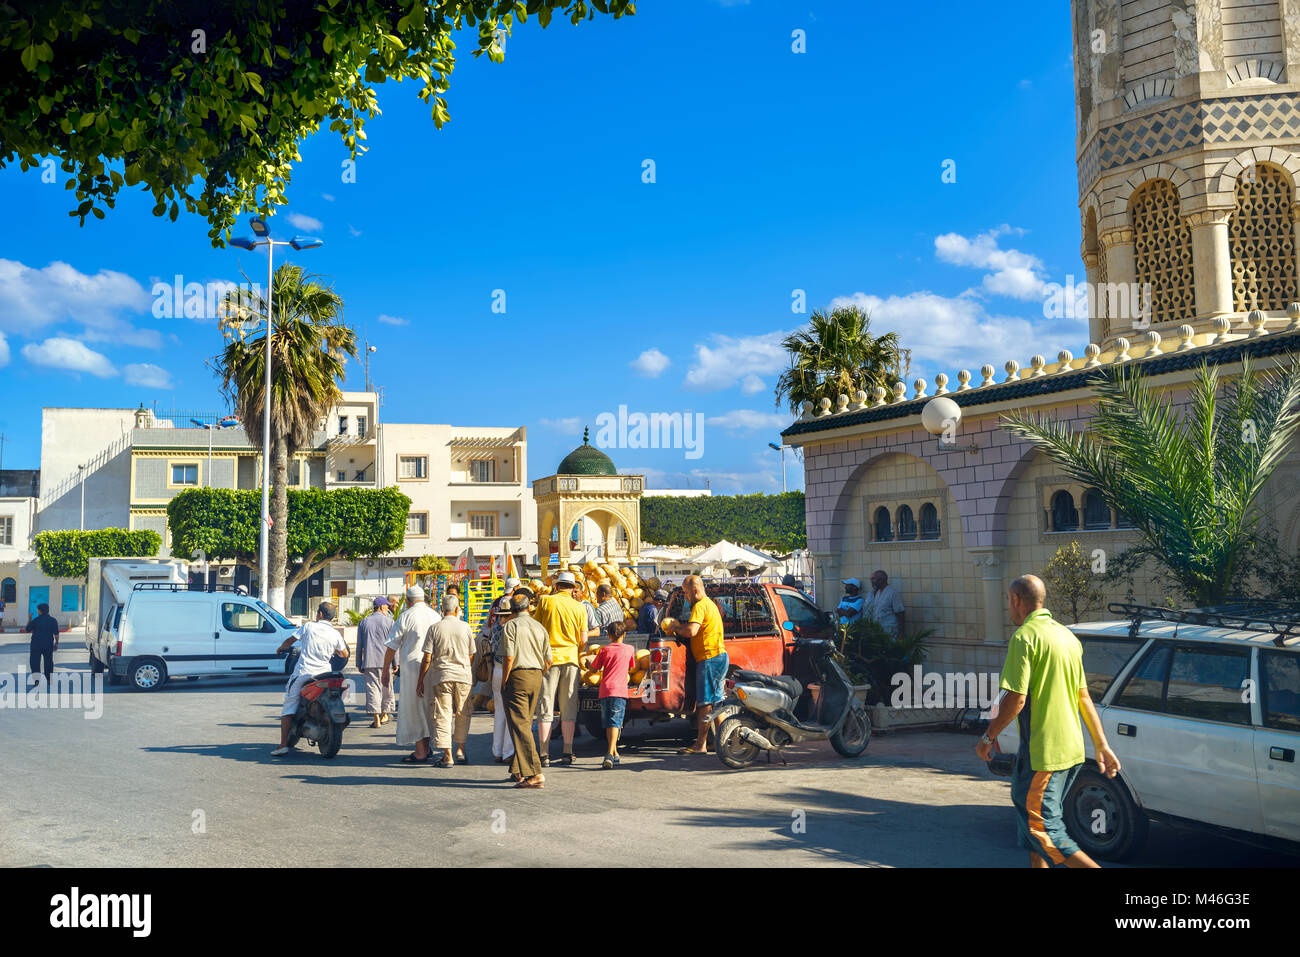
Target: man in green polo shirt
<point>1044,669</point>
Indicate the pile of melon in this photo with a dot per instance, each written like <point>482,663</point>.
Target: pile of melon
<point>630,590</point>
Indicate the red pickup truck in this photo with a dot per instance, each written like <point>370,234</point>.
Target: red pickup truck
<point>759,622</point>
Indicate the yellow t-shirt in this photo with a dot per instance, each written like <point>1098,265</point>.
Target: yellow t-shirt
<point>565,620</point>
<point>707,642</point>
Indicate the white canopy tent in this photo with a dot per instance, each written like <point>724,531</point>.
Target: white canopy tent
<point>728,555</point>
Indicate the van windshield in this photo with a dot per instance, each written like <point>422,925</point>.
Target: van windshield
<point>274,615</point>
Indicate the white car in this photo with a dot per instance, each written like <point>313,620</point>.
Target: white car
<point>168,630</point>
<point>1202,708</point>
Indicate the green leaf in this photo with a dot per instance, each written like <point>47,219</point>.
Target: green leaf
<point>28,58</point>
<point>46,103</point>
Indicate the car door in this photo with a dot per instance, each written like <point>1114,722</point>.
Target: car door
<point>1181,729</point>
<point>176,627</point>
<point>246,639</point>
<point>1277,744</point>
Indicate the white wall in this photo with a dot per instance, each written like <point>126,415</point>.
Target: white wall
<point>100,439</point>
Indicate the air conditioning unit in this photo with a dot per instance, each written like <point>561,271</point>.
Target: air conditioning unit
<point>226,571</point>
<point>370,563</point>
<point>388,562</point>
<point>405,562</point>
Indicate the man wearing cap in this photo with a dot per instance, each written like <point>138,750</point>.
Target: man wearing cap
<point>320,640</point>
<point>652,612</point>
<point>446,667</point>
<point>565,621</point>
<point>849,609</point>
<point>885,606</point>
<point>406,645</point>
<point>503,747</point>
<point>371,655</point>
<point>526,654</point>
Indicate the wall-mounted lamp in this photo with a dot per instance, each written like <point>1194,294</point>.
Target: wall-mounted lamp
<point>941,416</point>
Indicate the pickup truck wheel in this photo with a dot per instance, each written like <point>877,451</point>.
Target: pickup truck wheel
<point>591,723</point>
<point>733,750</point>
<point>854,734</point>
<point>96,666</point>
<point>1102,818</point>
<point>147,674</point>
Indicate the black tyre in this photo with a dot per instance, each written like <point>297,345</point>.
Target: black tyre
<point>329,745</point>
<point>854,734</point>
<point>1102,817</point>
<point>147,674</point>
<point>114,679</point>
<point>733,750</point>
<point>592,724</point>
<point>96,666</point>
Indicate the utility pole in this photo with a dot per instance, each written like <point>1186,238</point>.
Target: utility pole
<point>83,496</point>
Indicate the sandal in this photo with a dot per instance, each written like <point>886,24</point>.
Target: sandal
<point>442,762</point>
<point>529,783</point>
<point>691,750</point>
<point>412,759</point>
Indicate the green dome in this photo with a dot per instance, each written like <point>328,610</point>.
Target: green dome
<point>586,460</point>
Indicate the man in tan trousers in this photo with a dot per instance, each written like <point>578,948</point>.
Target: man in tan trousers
<point>448,667</point>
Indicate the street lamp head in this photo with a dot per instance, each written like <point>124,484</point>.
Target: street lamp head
<point>243,243</point>
<point>774,447</point>
<point>258,225</point>
<point>305,242</point>
<point>372,348</point>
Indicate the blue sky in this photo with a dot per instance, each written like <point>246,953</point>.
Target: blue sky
<point>774,171</point>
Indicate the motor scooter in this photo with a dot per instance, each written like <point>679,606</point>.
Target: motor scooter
<point>321,715</point>
<point>770,712</point>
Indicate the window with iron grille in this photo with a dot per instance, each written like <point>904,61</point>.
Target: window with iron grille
<point>929,521</point>
<point>482,470</point>
<point>482,524</point>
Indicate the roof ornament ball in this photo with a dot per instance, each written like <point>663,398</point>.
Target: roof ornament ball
<point>963,378</point>
<point>841,402</point>
<point>1293,311</point>
<point>1257,320</point>
<point>1222,326</point>
<point>900,391</point>
<point>824,406</point>
<point>879,393</point>
<point>1064,358</point>
<point>941,384</point>
<point>806,410</point>
<point>1188,336</point>
<point>1037,362</point>
<point>1122,347</point>
<point>860,399</point>
<point>986,371</point>
<point>1012,368</point>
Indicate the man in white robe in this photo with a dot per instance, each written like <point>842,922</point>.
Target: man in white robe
<point>406,645</point>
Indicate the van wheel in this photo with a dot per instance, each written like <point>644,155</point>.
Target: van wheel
<point>114,679</point>
<point>1102,818</point>
<point>96,666</point>
<point>148,674</point>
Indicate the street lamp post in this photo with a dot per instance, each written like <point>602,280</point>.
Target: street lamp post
<point>263,232</point>
<point>82,524</point>
<point>780,448</point>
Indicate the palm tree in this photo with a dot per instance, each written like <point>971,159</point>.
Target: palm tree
<point>836,355</point>
<point>308,352</point>
<point>1187,480</point>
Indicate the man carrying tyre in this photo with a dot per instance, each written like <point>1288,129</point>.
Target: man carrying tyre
<point>1044,670</point>
<point>320,640</point>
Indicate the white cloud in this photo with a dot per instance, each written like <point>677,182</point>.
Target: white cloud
<point>394,320</point>
<point>308,223</point>
<point>746,421</point>
<point>70,356</point>
<point>943,330</point>
<point>726,361</point>
<point>328,197</point>
<point>4,350</point>
<point>31,299</point>
<point>1013,274</point>
<point>570,425</point>
<point>148,375</point>
<point>751,384</point>
<point>354,231</point>
<point>650,363</point>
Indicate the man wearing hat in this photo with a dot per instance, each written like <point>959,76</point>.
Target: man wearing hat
<point>372,649</point>
<point>652,612</point>
<point>406,645</point>
<point>319,641</point>
<point>565,620</point>
<point>503,748</point>
<point>849,609</point>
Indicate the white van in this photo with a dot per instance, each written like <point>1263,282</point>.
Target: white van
<point>171,630</point>
<point>1202,708</point>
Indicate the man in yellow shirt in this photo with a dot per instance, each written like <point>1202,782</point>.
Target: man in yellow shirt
<point>565,620</point>
<point>704,629</point>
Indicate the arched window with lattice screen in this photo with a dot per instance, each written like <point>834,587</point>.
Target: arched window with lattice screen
<point>1262,236</point>
<point>1162,248</point>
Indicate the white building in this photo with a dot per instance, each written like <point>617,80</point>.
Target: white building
<point>119,468</point>
<point>19,489</point>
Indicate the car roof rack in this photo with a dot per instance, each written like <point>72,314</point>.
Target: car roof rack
<point>183,586</point>
<point>1279,619</point>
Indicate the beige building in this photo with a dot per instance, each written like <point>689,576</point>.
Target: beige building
<point>1189,143</point>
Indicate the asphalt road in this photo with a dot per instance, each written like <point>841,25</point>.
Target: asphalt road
<point>184,777</point>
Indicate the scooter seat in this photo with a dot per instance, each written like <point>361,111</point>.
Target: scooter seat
<point>784,683</point>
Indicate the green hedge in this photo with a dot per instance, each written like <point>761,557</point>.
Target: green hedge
<point>772,522</point>
<point>67,554</point>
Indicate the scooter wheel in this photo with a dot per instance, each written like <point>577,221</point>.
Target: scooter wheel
<point>733,750</point>
<point>854,734</point>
